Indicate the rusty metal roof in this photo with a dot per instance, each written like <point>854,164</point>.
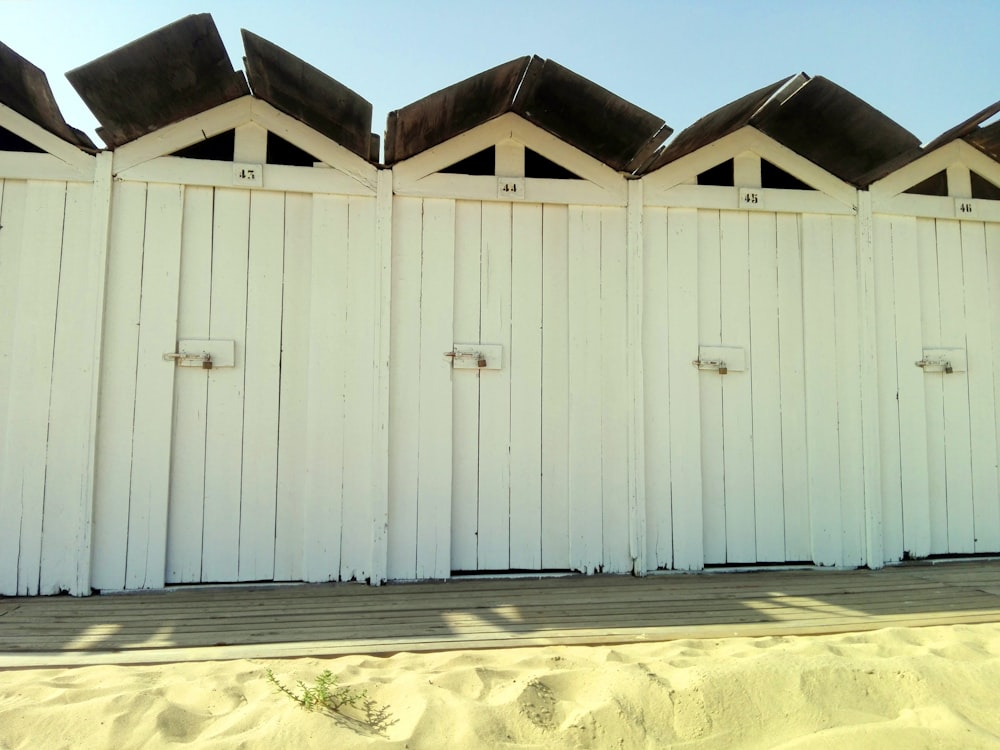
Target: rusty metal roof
<point>25,89</point>
<point>813,117</point>
<point>309,95</point>
<point>554,98</point>
<point>164,77</point>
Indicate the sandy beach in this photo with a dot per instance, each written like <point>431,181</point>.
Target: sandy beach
<point>908,688</point>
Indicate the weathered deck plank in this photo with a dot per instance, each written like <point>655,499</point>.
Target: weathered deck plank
<point>189,624</point>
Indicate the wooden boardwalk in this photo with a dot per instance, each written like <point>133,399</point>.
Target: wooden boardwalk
<point>187,624</point>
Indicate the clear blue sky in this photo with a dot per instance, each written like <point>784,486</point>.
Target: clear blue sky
<point>926,64</point>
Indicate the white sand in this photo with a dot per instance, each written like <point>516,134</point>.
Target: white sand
<point>896,688</point>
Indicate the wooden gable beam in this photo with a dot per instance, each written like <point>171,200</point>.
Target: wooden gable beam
<point>82,164</point>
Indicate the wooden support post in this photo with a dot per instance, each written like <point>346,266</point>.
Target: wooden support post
<point>509,160</point>
<point>637,412</point>
<point>746,170</point>
<point>251,144</point>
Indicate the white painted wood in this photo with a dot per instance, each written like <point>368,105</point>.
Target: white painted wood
<point>656,386</point>
<point>920,169</point>
<point>584,291</point>
<point>359,359</point>
<point>819,320</point>
<point>277,177</point>
<point>614,392</point>
<point>728,199</point>
<point>509,159</point>
<point>262,362</point>
<point>875,554</point>
<point>250,144</point>
<point>791,375</point>
<point>737,414</point>
<point>226,388</point>
<point>636,412</point>
<point>116,402</point>
<point>746,170</point>
<point>981,374</point>
<point>187,472</point>
<point>16,165</point>
<point>993,273</point>
<point>958,468</point>
<point>404,388</point>
<point>495,391</point>
<point>536,190</point>
<point>525,364</point>
<point>380,383</point>
<point>768,492</point>
<point>465,389</point>
<point>848,363</point>
<point>28,388</point>
<point>68,483</point>
<point>959,181</point>
<point>685,428</point>
<point>936,207</point>
<point>150,479</point>
<point>83,163</point>
<point>323,512</point>
<point>713,477</point>
<point>293,417</point>
<point>555,388</point>
<point>889,453</point>
<point>435,428</point>
<point>930,531</point>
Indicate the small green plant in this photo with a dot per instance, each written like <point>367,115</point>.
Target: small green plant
<point>326,694</point>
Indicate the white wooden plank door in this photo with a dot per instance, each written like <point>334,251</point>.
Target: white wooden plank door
<point>224,452</point>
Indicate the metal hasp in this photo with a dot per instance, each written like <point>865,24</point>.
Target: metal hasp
<point>206,354</point>
<point>722,359</point>
<point>476,356</point>
<point>947,361</point>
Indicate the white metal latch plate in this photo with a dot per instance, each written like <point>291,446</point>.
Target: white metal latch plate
<point>943,360</point>
<point>476,356</point>
<point>198,352</point>
<point>725,359</point>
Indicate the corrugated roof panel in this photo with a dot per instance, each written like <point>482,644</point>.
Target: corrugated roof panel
<point>308,94</point>
<point>169,75</point>
<point>452,110</point>
<point>25,89</point>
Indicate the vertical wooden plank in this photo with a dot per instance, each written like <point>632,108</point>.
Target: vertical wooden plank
<point>465,389</point>
<point>258,505</point>
<point>150,481</point>
<point>526,388</point>
<point>356,551</point>
<point>495,390</point>
<point>226,387</point>
<point>30,379</point>
<point>993,310</point>
<point>380,383</point>
<point>928,533</point>
<point>434,437</point>
<point>116,402</point>
<point>957,427</point>
<point>585,513</point>
<point>614,393</point>
<point>769,501</point>
<point>323,513</point>
<point>981,374</point>
<point>791,376</point>
<point>885,305</point>
<point>67,480</point>
<point>821,388</point>
<point>685,426</point>
<point>713,464</point>
<point>910,384</point>
<point>555,388</point>
<point>848,333</point>
<point>404,387</point>
<point>293,415</point>
<point>636,471</point>
<point>737,391</point>
<point>187,473</point>
<point>656,385</point>
<point>12,217</point>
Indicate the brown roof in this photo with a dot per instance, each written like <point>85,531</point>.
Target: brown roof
<point>25,89</point>
<point>554,98</point>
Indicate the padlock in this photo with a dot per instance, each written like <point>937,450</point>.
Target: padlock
<point>482,361</point>
<point>206,363</point>
<point>723,370</point>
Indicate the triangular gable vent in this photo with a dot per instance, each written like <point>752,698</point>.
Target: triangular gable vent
<point>221,147</point>
<point>771,176</point>
<point>936,184</point>
<point>535,166</point>
<point>983,188</point>
<point>13,142</point>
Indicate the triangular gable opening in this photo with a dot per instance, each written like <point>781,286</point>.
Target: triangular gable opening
<point>280,151</point>
<point>13,142</point>
<point>983,188</point>
<point>772,176</point>
<point>536,165</point>
<point>720,175</point>
<point>480,163</point>
<point>217,148</point>
<point>936,184</point>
